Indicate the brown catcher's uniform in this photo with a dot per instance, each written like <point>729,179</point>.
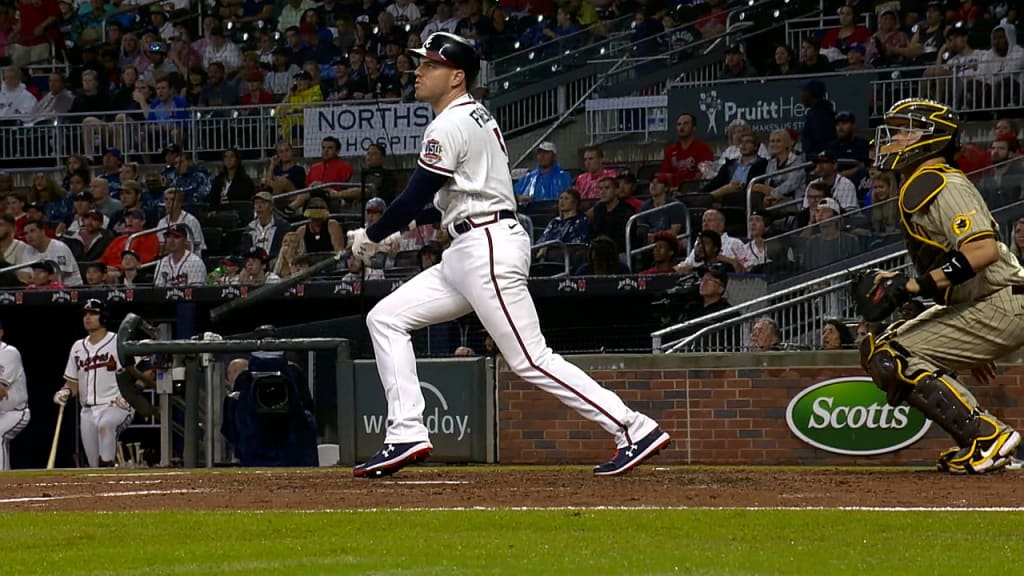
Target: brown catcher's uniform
<point>976,322</point>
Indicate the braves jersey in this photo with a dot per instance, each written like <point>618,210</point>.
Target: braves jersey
<point>189,271</point>
<point>94,367</point>
<point>12,375</point>
<point>465,144</point>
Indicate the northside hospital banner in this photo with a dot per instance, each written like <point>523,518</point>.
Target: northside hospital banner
<point>764,105</point>
<point>398,126</point>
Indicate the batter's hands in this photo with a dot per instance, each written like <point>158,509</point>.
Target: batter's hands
<point>61,397</point>
<point>985,375</point>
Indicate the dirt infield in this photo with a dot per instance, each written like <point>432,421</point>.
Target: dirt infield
<point>439,487</point>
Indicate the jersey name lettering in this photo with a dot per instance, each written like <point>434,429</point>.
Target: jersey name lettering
<point>481,116</point>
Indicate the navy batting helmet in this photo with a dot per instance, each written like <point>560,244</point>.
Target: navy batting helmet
<point>95,306</point>
<point>453,51</point>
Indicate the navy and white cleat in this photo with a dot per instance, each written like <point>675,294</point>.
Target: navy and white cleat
<point>392,458</point>
<point>627,458</point>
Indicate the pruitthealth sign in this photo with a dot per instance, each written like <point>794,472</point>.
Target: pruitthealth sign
<point>850,416</point>
<point>765,105</point>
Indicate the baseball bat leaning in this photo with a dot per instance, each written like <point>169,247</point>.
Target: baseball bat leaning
<point>56,436</point>
<point>270,290</point>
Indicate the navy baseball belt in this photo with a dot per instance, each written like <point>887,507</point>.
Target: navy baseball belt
<point>469,223</point>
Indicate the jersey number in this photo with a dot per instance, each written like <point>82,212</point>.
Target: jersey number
<point>501,142</point>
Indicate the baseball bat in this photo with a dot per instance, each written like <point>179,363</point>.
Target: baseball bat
<point>56,436</point>
<point>270,290</point>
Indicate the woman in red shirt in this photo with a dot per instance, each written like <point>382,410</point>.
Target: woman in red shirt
<point>847,34</point>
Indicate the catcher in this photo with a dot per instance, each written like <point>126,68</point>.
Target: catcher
<point>961,265</point>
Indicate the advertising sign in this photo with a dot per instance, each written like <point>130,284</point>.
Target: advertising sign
<point>398,126</point>
<point>850,416</point>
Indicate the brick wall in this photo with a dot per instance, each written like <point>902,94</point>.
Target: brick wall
<point>719,408</point>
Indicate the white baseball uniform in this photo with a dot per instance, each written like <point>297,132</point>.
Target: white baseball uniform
<point>14,413</point>
<point>484,271</point>
<point>105,414</point>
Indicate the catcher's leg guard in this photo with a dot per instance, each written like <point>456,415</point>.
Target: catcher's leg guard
<point>984,443</point>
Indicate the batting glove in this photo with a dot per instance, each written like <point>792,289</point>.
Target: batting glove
<point>61,397</point>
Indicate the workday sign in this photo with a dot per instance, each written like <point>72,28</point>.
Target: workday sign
<point>850,416</point>
<point>459,409</point>
<point>764,105</point>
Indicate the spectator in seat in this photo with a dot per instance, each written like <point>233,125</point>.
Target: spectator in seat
<point>848,33</point>
<point>1005,61</point>
<point>666,247</point>
<point>816,192</point>
<point>811,60</point>
<point>50,196</point>
<point>442,21</point>
<point>41,247</point>
<point>218,92</point>
<point>885,214</point>
<point>321,233</point>
<point>736,130</point>
<point>1005,126</point>
<point>158,21</point>
<point>165,115</point>
<point>36,22</point>
<point>291,14</point>
<point>708,252</point>
<point>16,102</point>
<point>683,158</point>
<point>611,214</point>
<point>96,274</point>
<point>784,187</point>
<point>922,47</point>
<point>221,50</point>
<point>230,271</point>
<point>729,186</point>
<point>255,94</point>
<point>856,59</point>
<point>282,73</point>
<point>594,172</point>
<point>1004,183</point>
<point>233,183</point>
<point>866,329</point>
<point>731,248</point>
<point>329,170</point>
<point>1017,244</point>
<point>671,219</point>
<point>110,169</point>
<point>830,244</point>
<point>736,65</point>
<point>130,275</point>
<point>888,45</point>
<point>545,182</point>
<point>848,146</point>
<point>11,249</point>
<point>784,61</point>
<point>14,205</point>
<point>146,247</point>
<point>255,271</point>
<point>44,276</point>
<point>714,281</point>
<point>267,229</point>
<point>180,267</point>
<point>959,66</point>
<point>286,263</point>
<point>842,189</point>
<point>625,186</point>
<point>602,259</point>
<point>37,213</point>
<point>379,181</point>
<point>836,336</point>
<point>820,121</point>
<point>282,173</point>
<point>765,335</point>
<point>160,65</point>
<point>757,253</point>
<point>290,113</point>
<point>193,180</point>
<point>99,188</point>
<point>570,226</point>
<point>81,206</point>
<point>57,101</point>
<point>131,199</point>
<point>174,202</point>
<point>92,239</point>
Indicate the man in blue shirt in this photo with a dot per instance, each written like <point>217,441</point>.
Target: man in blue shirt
<point>546,181</point>
<point>569,226</point>
<point>848,148</point>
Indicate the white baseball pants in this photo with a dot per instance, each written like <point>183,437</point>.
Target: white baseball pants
<point>100,426</point>
<point>484,271</point>
<point>11,423</point>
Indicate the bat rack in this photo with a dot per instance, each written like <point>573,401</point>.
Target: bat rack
<point>201,372</point>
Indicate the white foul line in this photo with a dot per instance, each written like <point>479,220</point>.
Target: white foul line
<point>99,495</point>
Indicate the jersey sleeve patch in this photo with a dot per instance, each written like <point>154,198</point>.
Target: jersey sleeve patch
<point>961,223</point>
<point>433,152</point>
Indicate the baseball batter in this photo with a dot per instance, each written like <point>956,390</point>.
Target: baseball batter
<point>954,244</point>
<point>14,413</point>
<point>90,375</point>
<point>462,178</point>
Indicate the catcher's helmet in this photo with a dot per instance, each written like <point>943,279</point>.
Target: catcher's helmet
<point>453,51</point>
<point>914,129</point>
<point>95,306</point>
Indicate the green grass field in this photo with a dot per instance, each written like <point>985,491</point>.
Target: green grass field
<point>599,542</point>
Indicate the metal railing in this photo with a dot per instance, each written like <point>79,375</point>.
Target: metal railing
<point>765,177</point>
<point>612,117</point>
<point>827,297</point>
<point>566,257</point>
<point>635,217</point>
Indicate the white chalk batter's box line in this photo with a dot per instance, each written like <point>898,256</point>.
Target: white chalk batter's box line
<point>24,499</point>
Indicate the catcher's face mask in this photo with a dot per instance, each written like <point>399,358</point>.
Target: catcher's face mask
<point>896,140</point>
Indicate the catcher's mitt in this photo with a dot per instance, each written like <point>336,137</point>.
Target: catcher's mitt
<point>877,299</point>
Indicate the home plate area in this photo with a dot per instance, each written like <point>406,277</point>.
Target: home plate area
<point>437,487</point>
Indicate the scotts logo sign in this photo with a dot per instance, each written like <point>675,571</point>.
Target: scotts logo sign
<point>850,416</point>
